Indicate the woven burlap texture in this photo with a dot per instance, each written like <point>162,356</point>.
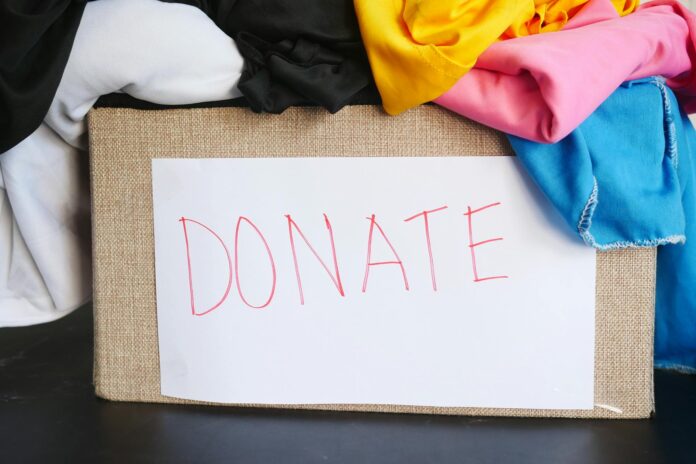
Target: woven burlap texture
<point>124,141</point>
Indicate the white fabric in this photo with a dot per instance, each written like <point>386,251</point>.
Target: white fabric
<point>159,52</point>
<point>44,259</point>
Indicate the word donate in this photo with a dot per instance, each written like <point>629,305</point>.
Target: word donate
<point>375,232</point>
<point>413,281</point>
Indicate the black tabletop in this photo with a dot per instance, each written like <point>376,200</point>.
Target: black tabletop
<point>48,413</point>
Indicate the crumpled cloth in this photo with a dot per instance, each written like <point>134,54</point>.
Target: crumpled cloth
<point>45,268</point>
<point>418,49</point>
<point>551,16</point>
<point>625,178</point>
<point>159,52</point>
<point>297,52</point>
<point>172,55</point>
<point>35,42</point>
<point>541,87</point>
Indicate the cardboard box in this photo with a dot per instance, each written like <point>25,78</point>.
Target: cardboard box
<point>124,141</point>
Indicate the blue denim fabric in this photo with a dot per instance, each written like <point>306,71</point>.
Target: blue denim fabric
<point>625,178</point>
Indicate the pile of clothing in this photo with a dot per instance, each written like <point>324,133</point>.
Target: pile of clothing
<point>593,95</point>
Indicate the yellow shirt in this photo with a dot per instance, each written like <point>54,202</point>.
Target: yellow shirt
<point>418,49</point>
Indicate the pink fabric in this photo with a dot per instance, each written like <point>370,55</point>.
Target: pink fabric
<point>541,87</point>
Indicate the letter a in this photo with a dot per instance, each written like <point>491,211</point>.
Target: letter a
<point>369,263</point>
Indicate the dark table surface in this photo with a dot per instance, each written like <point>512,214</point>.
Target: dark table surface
<point>48,413</point>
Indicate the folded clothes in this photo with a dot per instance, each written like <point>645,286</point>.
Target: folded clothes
<point>35,42</point>
<point>172,54</point>
<point>541,87</point>
<point>419,49</point>
<point>625,178</point>
<point>297,52</point>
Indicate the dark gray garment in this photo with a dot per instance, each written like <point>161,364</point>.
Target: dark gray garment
<point>296,52</point>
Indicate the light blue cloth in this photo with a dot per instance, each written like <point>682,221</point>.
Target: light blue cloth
<point>625,178</point>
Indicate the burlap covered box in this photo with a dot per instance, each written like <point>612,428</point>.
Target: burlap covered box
<point>124,141</point>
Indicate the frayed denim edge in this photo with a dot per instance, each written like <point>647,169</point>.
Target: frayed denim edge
<point>585,224</point>
<point>671,152</point>
<point>675,367</point>
<point>671,149</point>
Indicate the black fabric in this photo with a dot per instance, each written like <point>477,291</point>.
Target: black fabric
<point>36,37</point>
<point>297,52</point>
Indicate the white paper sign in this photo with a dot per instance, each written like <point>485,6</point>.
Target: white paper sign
<point>410,281</point>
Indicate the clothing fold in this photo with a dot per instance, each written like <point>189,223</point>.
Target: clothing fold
<point>35,43</point>
<point>173,54</point>
<point>419,49</point>
<point>625,178</point>
<point>297,52</point>
<point>541,87</point>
